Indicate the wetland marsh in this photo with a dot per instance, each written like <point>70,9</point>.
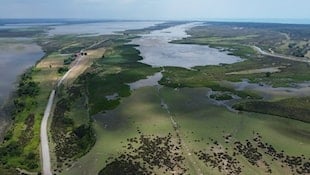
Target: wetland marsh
<point>168,98</point>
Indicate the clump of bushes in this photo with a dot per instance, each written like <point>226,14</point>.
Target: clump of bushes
<point>63,70</point>
<point>221,96</point>
<point>69,60</point>
<point>27,87</point>
<point>72,141</point>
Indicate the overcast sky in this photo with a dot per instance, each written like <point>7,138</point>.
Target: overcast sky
<point>155,9</point>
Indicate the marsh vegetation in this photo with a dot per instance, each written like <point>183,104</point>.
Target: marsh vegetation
<point>121,114</point>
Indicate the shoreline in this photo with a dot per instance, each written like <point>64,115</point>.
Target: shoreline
<point>7,105</point>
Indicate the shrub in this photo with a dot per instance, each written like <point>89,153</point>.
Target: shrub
<point>63,70</point>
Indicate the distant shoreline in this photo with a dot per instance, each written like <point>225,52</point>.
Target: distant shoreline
<point>64,21</point>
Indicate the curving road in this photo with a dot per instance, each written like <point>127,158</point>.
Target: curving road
<point>299,59</point>
<point>46,160</point>
<point>45,153</point>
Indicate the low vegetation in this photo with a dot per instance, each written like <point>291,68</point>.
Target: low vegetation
<point>63,70</point>
<point>72,137</point>
<point>236,38</point>
<point>23,32</point>
<point>130,135</point>
<point>69,60</point>
<point>110,75</point>
<point>296,108</point>
<point>147,153</point>
<point>221,96</point>
<point>71,44</point>
<point>15,150</point>
<point>20,148</point>
<point>226,147</point>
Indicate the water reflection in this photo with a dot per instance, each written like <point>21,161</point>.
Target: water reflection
<point>157,51</point>
<point>268,92</point>
<point>15,57</point>
<point>149,81</point>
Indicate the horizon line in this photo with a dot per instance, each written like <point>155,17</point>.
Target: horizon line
<point>246,20</point>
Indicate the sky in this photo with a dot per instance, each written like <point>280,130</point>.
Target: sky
<point>156,9</point>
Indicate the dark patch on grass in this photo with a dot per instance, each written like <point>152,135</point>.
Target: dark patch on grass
<point>147,153</point>
<point>222,96</point>
<point>122,167</point>
<point>255,152</point>
<point>71,141</point>
<point>298,109</point>
<point>111,122</point>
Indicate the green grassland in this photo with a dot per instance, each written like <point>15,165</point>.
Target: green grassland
<point>282,38</point>
<point>237,38</point>
<point>111,74</point>
<point>132,122</point>
<point>200,124</point>
<point>21,145</point>
<point>108,75</point>
<point>296,108</point>
<point>175,121</point>
<point>71,129</point>
<point>292,72</point>
<point>20,148</point>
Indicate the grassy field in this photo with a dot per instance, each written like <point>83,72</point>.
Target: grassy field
<point>286,39</point>
<point>173,128</point>
<point>206,136</point>
<point>111,74</point>
<point>21,146</point>
<point>71,126</point>
<point>200,124</point>
<point>236,38</point>
<point>87,96</point>
<point>295,108</point>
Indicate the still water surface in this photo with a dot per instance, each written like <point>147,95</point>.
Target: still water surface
<point>102,28</point>
<point>16,55</point>
<point>157,50</point>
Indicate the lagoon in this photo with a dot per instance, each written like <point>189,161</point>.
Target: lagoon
<point>157,50</point>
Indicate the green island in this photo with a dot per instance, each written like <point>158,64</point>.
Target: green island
<point>193,121</point>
